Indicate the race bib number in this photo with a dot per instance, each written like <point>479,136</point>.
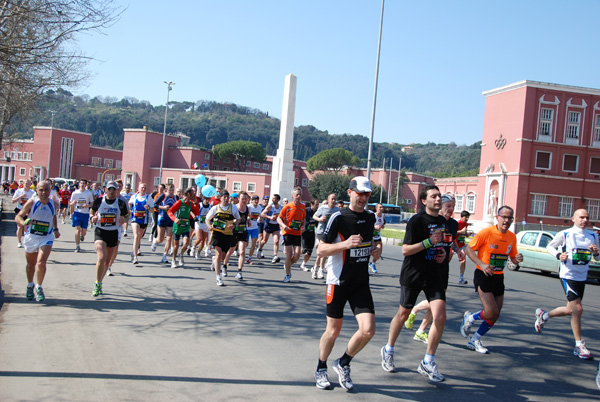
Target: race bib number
<point>254,216</point>
<point>39,228</point>
<point>183,222</point>
<point>361,253</point>
<point>581,256</point>
<point>81,204</point>
<point>461,238</point>
<point>498,261</point>
<point>202,219</point>
<point>23,201</point>
<point>295,225</point>
<point>447,237</point>
<point>139,214</point>
<point>311,227</point>
<point>219,224</point>
<point>108,220</point>
<point>240,229</point>
<point>274,217</point>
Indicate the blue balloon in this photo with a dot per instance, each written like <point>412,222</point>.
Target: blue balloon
<point>200,180</point>
<point>209,191</point>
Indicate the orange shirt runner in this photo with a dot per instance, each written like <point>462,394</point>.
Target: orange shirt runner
<point>494,247</point>
<point>293,216</point>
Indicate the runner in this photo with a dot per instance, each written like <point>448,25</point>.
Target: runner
<point>201,228</point>
<point>322,216</point>
<point>141,205</point>
<point>348,242</point>
<point>494,246</point>
<point>182,213</point>
<point>81,201</point>
<point>160,192</point>
<point>308,236</point>
<point>120,230</point>
<point>127,193</point>
<point>292,219</point>
<point>463,233</point>
<point>20,197</point>
<point>65,195</point>
<point>38,219</point>
<point>422,272</point>
<point>379,224</point>
<point>574,248</point>
<point>108,214</point>
<point>165,225</point>
<point>240,235</point>
<point>270,214</point>
<point>221,220</point>
<point>261,226</point>
<point>253,235</point>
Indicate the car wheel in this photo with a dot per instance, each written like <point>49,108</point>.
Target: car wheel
<point>512,266</point>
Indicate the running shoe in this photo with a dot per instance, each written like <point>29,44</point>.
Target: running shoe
<point>235,253</point>
<point>180,262</point>
<point>109,272</point>
<point>421,337</point>
<point>580,351</point>
<point>82,238</point>
<point>259,254</point>
<point>171,251</point>
<point>320,274</point>
<point>539,320</point>
<point>462,282</point>
<point>373,267</point>
<point>313,271</point>
<point>598,377</point>
<point>477,346</point>
<point>410,321</point>
<point>173,263</point>
<point>249,261</point>
<point>206,252</point>
<point>212,264</point>
<point>198,254</point>
<point>239,276</point>
<point>344,375</point>
<point>219,281</point>
<point>322,379</point>
<point>40,295</point>
<point>135,260</point>
<point>164,259</point>
<point>97,289</point>
<point>139,253</point>
<point>465,326</point>
<point>287,278</point>
<point>224,270</point>
<point>63,221</point>
<point>19,245</point>
<point>29,293</point>
<point>387,361</point>
<point>304,267</point>
<point>77,249</point>
<point>431,371</point>
<point>275,260</point>
<point>124,234</point>
<point>153,248</point>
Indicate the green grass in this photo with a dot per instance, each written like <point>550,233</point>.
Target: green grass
<point>393,233</point>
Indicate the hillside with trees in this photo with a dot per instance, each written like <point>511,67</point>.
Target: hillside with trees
<point>210,123</point>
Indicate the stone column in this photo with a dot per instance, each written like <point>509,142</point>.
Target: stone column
<point>282,180</point>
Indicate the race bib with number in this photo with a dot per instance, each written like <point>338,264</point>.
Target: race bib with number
<point>140,214</point>
<point>202,218</point>
<point>254,216</point>
<point>364,250</point>
<point>581,256</point>
<point>311,227</point>
<point>183,222</point>
<point>219,224</point>
<point>107,220</point>
<point>498,261</point>
<point>39,228</point>
<point>295,225</point>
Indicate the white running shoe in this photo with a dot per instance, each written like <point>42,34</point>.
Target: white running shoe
<point>212,264</point>
<point>206,252</point>
<point>598,377</point>
<point>373,267</point>
<point>320,274</point>
<point>135,260</point>
<point>275,260</point>
<point>322,379</point>
<point>387,361</point>
<point>109,272</point>
<point>239,276</point>
<point>173,263</point>
<point>465,326</point>
<point>164,259</point>
<point>249,261</point>
<point>304,267</point>
<point>219,281</point>
<point>224,270</point>
<point>180,262</point>
<point>287,278</point>
<point>431,371</point>
<point>539,320</point>
<point>63,221</point>
<point>153,248</point>
<point>477,346</point>
<point>313,271</point>
<point>344,375</point>
<point>259,254</point>
<point>171,251</point>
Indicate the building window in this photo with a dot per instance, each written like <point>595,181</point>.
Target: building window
<point>251,187</point>
<point>595,165</point>
<point>170,180</point>
<point>99,179</point>
<point>543,160</point>
<point>21,171</point>
<point>237,186</point>
<point>156,181</point>
<point>225,168</point>
<point>108,163</point>
<point>248,163</point>
<point>227,160</point>
<point>215,167</point>
<point>304,182</point>
<point>26,155</point>
<point>256,165</point>
<point>538,204</point>
<point>96,161</point>
<point>460,199</point>
<point>6,154</point>
<point>597,128</point>
<point>471,203</point>
<point>408,201</point>
<point>19,156</point>
<point>573,125</point>
<point>546,122</point>
<point>31,158</point>
<point>109,177</point>
<point>206,157</point>
<point>265,166</point>
<point>13,155</point>
<point>66,157</point>
<point>593,208</point>
<point>565,207</point>
<point>570,163</point>
<point>118,164</point>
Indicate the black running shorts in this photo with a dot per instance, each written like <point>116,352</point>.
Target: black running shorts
<point>359,297</point>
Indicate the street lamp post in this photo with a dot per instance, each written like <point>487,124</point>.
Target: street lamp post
<point>162,152</point>
<point>375,96</point>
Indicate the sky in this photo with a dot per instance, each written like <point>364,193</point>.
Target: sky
<point>437,57</point>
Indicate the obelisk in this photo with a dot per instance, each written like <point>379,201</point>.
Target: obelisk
<point>282,179</point>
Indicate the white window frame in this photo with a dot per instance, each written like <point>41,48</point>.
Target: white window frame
<point>304,182</point>
<point>6,154</point>
<point>96,161</point>
<point>265,166</point>
<point>539,204</point>
<point>471,199</point>
<point>596,136</point>
<point>593,208</point>
<point>216,167</point>
<point>408,201</point>
<point>256,165</point>
<point>206,157</point>
<point>594,173</point>
<point>549,160</point>
<point>108,163</point>
<point>31,156</point>
<point>565,207</point>
<point>25,156</point>
<point>546,120</point>
<point>573,125</point>
<point>109,177</point>
<point>118,164</point>
<point>156,180</point>
<point>22,171</point>
<point>170,180</point>
<point>19,156</point>
<point>576,164</point>
<point>460,202</point>
<point>236,186</point>
<point>251,187</point>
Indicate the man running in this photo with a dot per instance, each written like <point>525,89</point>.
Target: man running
<point>422,271</point>
<point>240,235</point>
<point>81,201</point>
<point>201,242</point>
<point>65,195</point>
<point>574,248</point>
<point>261,226</point>
<point>141,205</point>
<point>120,230</point>
<point>127,193</point>
<point>322,216</point>
<point>270,215</point>
<point>255,211</point>
<point>165,225</point>
<point>182,214</point>
<point>308,236</point>
<point>20,197</point>
<point>38,219</point>
<point>463,233</point>
<point>379,225</point>
<point>108,214</point>
<point>292,219</point>
<point>159,192</point>
<point>494,246</point>
<point>348,243</point>
<point>221,219</point>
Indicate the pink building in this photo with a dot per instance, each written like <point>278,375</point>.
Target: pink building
<point>55,152</point>
<point>540,154</point>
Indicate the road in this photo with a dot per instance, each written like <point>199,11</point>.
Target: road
<point>171,334</point>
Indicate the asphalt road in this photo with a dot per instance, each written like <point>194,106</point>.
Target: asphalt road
<point>161,334</point>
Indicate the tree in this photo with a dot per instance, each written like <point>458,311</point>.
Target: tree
<point>323,184</point>
<point>331,159</point>
<point>37,48</point>
<point>240,152</point>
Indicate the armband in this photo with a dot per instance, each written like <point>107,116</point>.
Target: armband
<point>558,256</point>
<point>427,243</point>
